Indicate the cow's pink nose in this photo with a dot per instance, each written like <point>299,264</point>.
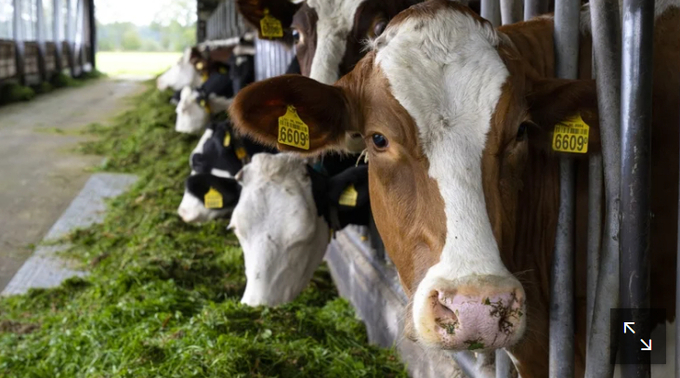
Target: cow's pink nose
<point>464,318</point>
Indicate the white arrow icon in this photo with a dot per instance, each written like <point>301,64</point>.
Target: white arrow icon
<point>628,325</point>
<point>648,346</point>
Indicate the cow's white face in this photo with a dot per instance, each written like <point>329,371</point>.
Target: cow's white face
<point>182,74</point>
<point>191,209</point>
<point>276,222</point>
<point>336,20</point>
<point>191,117</point>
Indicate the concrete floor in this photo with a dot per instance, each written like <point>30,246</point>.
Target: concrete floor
<point>39,172</point>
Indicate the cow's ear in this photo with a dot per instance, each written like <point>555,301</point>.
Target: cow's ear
<point>560,102</point>
<point>282,10</point>
<point>261,110</point>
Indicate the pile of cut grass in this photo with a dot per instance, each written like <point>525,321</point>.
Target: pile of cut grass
<point>162,299</point>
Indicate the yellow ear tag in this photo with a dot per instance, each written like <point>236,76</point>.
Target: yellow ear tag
<point>227,139</point>
<point>223,70</point>
<point>292,131</point>
<point>270,27</point>
<point>204,104</point>
<point>349,196</point>
<point>571,135</point>
<point>241,153</point>
<point>213,199</point>
<point>199,66</point>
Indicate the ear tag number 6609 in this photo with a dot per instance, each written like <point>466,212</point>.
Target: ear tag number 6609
<point>292,130</point>
<point>571,135</point>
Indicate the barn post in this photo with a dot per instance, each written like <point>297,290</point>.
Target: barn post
<point>636,115</point>
<point>533,8</point>
<point>567,15</point>
<point>57,30</point>
<point>92,24</point>
<point>40,38</point>
<point>19,40</point>
<point>606,30</point>
<point>490,10</point>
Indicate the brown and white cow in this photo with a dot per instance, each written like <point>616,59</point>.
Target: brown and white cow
<point>329,35</point>
<point>457,119</point>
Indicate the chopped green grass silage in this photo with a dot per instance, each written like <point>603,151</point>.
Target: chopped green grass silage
<point>162,297</point>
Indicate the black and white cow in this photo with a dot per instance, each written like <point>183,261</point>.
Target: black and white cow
<point>182,74</point>
<point>213,96</point>
<point>284,218</point>
<point>218,156</point>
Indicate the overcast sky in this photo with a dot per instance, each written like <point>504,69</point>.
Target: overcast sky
<point>141,12</point>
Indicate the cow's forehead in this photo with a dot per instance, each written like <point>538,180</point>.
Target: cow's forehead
<point>444,68</point>
<point>339,13</point>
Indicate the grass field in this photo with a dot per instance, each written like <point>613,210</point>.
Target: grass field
<point>135,63</point>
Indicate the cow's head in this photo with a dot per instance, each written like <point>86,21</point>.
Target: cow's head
<point>182,74</point>
<point>329,35</point>
<point>215,160</point>
<point>450,119</point>
<point>192,115</point>
<point>282,222</point>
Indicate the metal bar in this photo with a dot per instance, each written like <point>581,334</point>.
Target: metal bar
<point>511,11</point>
<point>92,24</point>
<point>19,41</point>
<point>40,38</point>
<point>567,15</point>
<point>636,116</point>
<point>468,365</point>
<point>677,295</point>
<point>595,197</point>
<point>490,10</point>
<point>57,28</point>
<point>606,30</point>
<point>533,8</point>
<point>504,365</point>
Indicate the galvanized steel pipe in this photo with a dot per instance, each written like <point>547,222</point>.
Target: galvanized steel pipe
<point>490,10</point>
<point>566,36</point>
<point>511,11</point>
<point>606,31</point>
<point>533,8</point>
<point>636,117</point>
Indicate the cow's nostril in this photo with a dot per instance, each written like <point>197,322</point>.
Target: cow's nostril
<point>444,316</point>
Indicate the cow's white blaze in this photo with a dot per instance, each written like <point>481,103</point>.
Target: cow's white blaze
<point>276,222</point>
<point>445,71</point>
<point>191,209</point>
<point>336,19</point>
<point>191,117</point>
<point>180,75</point>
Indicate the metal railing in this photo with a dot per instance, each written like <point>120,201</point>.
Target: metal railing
<point>39,38</point>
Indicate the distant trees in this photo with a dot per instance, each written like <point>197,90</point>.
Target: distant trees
<point>173,29</point>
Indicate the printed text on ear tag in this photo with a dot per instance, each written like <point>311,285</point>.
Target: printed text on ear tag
<point>241,153</point>
<point>292,131</point>
<point>270,26</point>
<point>349,197</point>
<point>227,139</point>
<point>212,199</point>
<point>571,135</point>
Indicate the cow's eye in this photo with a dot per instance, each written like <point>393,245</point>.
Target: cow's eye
<point>379,141</point>
<point>296,36</point>
<point>522,131</point>
<point>379,28</point>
